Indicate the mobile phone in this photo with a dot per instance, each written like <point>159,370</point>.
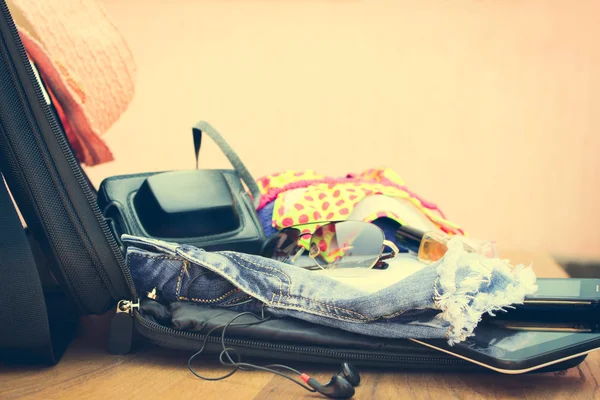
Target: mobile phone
<point>515,351</point>
<point>558,305</point>
<point>546,326</point>
<point>559,292</point>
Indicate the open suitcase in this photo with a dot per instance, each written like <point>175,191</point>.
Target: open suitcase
<point>67,262</point>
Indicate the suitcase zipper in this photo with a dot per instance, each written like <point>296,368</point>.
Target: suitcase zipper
<point>74,165</point>
<point>120,334</point>
<point>122,327</point>
<point>155,328</point>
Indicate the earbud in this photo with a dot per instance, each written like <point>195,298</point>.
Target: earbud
<point>349,373</point>
<point>337,388</point>
<point>341,386</point>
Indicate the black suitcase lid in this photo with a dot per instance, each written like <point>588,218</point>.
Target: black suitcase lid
<point>51,190</point>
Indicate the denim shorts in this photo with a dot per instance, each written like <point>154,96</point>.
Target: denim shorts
<point>442,300</point>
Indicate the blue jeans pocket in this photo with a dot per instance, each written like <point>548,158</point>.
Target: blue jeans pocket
<point>200,285</point>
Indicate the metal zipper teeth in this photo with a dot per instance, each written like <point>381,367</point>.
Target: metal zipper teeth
<point>291,349</point>
<point>71,159</point>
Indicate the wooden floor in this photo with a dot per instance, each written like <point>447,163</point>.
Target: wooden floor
<point>87,371</point>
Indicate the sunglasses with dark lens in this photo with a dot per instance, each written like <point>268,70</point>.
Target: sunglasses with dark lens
<point>351,246</point>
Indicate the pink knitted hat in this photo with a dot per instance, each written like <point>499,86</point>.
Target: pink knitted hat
<point>86,64</point>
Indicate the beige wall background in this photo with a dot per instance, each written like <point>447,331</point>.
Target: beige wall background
<point>488,108</point>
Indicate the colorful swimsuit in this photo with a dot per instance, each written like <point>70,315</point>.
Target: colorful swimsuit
<point>375,195</point>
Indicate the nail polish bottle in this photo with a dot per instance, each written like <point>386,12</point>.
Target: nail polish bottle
<point>431,246</point>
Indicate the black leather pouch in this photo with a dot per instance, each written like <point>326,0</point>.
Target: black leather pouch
<point>210,209</point>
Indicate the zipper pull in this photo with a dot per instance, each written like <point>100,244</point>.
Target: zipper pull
<point>121,328</point>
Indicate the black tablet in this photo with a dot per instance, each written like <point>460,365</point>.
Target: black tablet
<point>512,351</point>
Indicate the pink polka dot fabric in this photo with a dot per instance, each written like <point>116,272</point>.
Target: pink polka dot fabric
<point>307,197</point>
